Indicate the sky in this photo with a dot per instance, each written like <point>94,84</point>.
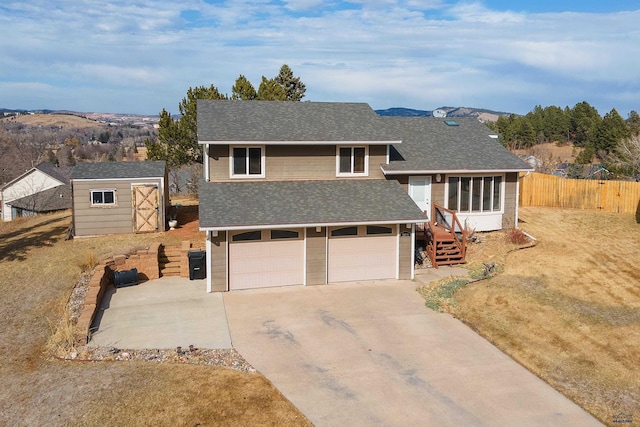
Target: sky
<point>140,56</point>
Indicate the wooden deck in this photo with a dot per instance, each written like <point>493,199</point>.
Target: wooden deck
<point>444,238</point>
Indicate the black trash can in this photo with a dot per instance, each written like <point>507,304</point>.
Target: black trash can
<point>197,265</point>
<point>125,278</point>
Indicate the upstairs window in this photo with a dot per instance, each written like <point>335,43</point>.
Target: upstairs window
<point>247,162</point>
<point>103,197</point>
<point>352,161</point>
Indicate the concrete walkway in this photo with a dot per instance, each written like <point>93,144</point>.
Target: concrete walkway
<point>372,354</point>
<point>163,314</point>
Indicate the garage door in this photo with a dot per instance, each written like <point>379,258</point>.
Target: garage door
<point>362,253</point>
<point>266,258</point>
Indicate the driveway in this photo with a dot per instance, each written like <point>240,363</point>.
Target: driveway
<point>372,354</point>
<point>163,313</point>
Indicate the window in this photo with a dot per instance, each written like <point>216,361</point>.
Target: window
<point>103,197</point>
<point>284,234</point>
<point>352,161</point>
<point>249,235</point>
<point>345,231</point>
<point>376,229</point>
<point>475,193</point>
<point>247,162</point>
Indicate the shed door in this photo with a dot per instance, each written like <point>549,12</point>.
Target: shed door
<point>362,253</point>
<point>145,208</point>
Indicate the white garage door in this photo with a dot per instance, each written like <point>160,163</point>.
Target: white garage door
<point>266,258</point>
<point>362,253</point>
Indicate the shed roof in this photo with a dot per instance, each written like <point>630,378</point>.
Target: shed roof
<point>285,121</point>
<point>430,144</point>
<point>114,170</point>
<point>272,204</point>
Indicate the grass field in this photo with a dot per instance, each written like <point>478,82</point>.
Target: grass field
<point>38,269</point>
<point>567,309</point>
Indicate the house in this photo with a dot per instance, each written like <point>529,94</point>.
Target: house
<point>314,193</point>
<point>43,188</point>
<point>119,197</point>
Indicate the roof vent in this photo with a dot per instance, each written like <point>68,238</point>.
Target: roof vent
<point>451,123</point>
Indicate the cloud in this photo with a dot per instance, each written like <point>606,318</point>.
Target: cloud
<point>411,53</point>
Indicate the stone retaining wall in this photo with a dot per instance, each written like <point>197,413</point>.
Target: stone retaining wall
<point>144,260</point>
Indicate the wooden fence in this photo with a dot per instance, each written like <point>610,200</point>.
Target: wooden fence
<point>537,189</point>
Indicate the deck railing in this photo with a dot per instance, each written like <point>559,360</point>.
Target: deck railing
<point>444,226</point>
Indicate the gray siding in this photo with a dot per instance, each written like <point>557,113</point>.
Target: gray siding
<point>406,257</point>
<point>218,269</point>
<point>92,220</point>
<point>316,257</point>
<point>286,162</point>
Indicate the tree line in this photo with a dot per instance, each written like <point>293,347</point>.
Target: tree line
<point>600,137</point>
<point>177,139</point>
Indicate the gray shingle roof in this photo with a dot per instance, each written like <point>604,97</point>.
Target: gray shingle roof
<point>288,121</point>
<point>428,144</point>
<point>225,205</point>
<point>53,199</point>
<point>111,170</point>
<point>62,174</point>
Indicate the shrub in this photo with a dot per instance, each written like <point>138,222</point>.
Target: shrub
<point>516,236</point>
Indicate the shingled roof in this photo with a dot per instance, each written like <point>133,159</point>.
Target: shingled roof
<point>431,145</point>
<point>112,170</point>
<point>244,205</point>
<point>53,199</point>
<point>281,121</point>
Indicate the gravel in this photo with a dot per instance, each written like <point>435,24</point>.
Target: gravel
<point>226,358</point>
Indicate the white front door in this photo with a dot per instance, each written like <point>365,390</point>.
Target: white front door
<point>420,192</point>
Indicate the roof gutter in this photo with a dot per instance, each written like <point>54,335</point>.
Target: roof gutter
<point>311,225</point>
<point>449,171</point>
<point>306,142</point>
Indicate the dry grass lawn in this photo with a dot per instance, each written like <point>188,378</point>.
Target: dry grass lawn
<point>567,309</point>
<point>38,269</point>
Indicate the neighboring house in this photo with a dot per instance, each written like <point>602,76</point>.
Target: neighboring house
<point>314,193</point>
<point>43,188</point>
<point>119,197</point>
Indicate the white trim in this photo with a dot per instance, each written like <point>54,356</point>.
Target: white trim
<point>398,231</point>
<point>287,142</point>
<point>248,175</point>
<point>337,224</point>
<point>304,258</point>
<point>326,255</point>
<point>451,171</point>
<point>208,260</point>
<point>205,159</point>
<point>227,237</point>
<point>413,251</point>
<point>470,212</point>
<point>103,190</point>
<point>388,155</point>
<point>117,179</point>
<point>352,158</point>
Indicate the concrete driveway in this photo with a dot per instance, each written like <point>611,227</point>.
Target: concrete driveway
<point>372,354</point>
<point>163,313</point>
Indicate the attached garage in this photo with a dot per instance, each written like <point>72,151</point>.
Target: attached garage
<point>365,252</point>
<point>281,233</point>
<point>266,258</point>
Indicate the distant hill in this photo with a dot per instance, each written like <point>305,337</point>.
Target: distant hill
<point>482,114</point>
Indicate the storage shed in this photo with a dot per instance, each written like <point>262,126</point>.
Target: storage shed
<point>119,197</point>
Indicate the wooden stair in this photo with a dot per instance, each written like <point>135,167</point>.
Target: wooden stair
<point>445,239</point>
<point>445,250</point>
<point>169,260</point>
